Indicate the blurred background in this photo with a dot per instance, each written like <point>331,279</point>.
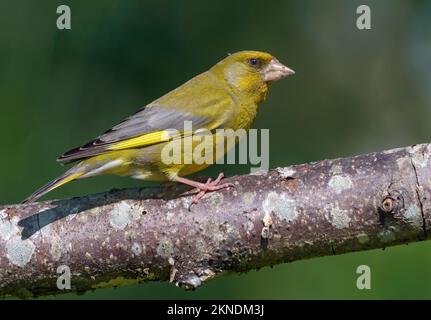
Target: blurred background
<point>355,91</point>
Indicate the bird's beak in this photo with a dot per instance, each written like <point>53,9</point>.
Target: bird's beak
<point>276,71</point>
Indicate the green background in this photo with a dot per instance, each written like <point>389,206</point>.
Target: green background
<point>354,92</point>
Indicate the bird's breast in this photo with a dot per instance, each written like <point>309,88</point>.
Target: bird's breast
<point>243,117</point>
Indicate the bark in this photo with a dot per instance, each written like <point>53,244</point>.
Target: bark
<point>137,235</point>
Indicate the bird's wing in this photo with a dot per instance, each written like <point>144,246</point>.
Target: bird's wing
<point>151,124</point>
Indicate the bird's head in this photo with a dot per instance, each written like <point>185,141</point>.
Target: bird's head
<point>251,72</point>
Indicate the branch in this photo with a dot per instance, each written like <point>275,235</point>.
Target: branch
<point>137,235</point>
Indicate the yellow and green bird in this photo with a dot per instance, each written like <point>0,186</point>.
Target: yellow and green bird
<point>226,96</point>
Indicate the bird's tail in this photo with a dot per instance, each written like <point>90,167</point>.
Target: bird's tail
<point>65,178</point>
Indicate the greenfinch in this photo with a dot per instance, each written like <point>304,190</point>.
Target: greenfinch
<point>226,96</point>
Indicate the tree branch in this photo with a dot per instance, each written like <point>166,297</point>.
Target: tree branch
<point>137,235</point>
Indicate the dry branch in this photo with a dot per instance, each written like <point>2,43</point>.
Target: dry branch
<point>128,236</point>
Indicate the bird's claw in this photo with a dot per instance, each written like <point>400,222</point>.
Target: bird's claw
<point>210,186</point>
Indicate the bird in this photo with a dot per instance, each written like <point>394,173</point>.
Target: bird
<point>226,96</point>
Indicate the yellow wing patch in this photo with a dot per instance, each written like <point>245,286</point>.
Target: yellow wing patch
<point>145,140</point>
<point>141,141</point>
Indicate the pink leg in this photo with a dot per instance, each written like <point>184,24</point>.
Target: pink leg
<point>203,188</point>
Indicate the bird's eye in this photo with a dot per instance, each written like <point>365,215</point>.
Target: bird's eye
<point>254,62</point>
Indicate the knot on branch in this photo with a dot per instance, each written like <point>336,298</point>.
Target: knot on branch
<point>388,204</point>
<point>399,206</point>
<point>392,202</point>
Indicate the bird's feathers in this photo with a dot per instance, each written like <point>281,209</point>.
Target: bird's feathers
<point>65,178</point>
<point>152,124</point>
<point>147,127</point>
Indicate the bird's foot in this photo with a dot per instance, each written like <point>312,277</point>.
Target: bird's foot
<point>202,188</point>
<point>210,186</point>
